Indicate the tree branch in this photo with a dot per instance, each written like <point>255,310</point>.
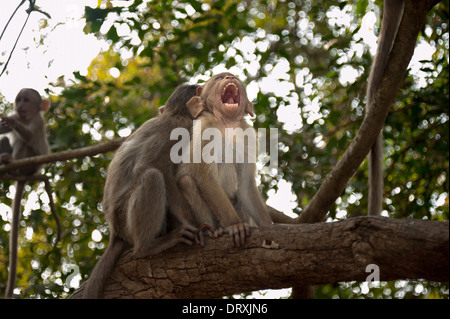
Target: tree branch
<point>335,182</point>
<point>281,256</point>
<point>64,155</point>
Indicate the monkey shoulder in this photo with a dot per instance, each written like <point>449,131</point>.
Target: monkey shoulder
<point>149,144</point>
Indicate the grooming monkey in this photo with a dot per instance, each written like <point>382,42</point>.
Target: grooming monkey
<point>28,138</point>
<point>223,193</point>
<point>392,14</point>
<point>140,189</point>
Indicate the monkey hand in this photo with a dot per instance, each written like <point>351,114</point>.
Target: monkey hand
<point>186,234</point>
<point>199,239</point>
<point>238,232</point>
<point>8,122</point>
<point>208,228</point>
<point>212,233</point>
<point>218,232</point>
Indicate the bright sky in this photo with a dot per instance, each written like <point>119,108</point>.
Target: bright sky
<point>65,50</point>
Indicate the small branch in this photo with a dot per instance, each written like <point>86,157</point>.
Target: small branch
<point>281,256</point>
<point>48,189</point>
<point>10,18</point>
<point>64,155</point>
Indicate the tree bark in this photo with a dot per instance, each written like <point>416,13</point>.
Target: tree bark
<point>281,256</point>
<point>64,155</point>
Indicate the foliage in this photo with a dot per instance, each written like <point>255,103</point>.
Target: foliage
<point>292,55</point>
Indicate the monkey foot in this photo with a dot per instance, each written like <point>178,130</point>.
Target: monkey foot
<point>213,233</point>
<point>238,232</point>
<point>206,226</point>
<point>5,158</point>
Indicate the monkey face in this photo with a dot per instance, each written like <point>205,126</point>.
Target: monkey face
<point>27,104</point>
<point>226,95</point>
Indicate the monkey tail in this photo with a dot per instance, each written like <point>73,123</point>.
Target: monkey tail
<point>13,241</point>
<point>104,268</point>
<point>376,178</point>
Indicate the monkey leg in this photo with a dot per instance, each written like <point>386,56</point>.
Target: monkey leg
<point>237,231</point>
<point>5,151</point>
<point>146,217</point>
<point>203,214</point>
<point>13,241</point>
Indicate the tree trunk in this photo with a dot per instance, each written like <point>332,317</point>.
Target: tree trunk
<point>282,256</point>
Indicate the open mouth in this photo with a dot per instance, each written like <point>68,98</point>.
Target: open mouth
<point>230,96</point>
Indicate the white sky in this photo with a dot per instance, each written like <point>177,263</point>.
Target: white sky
<point>65,50</point>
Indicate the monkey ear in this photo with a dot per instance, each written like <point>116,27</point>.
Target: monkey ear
<point>195,106</point>
<point>199,90</point>
<point>161,109</point>
<point>45,105</point>
<point>249,109</point>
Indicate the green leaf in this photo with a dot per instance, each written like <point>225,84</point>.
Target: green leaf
<point>112,34</point>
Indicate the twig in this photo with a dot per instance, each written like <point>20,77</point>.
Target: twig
<point>14,47</point>
<point>10,18</point>
<point>30,9</point>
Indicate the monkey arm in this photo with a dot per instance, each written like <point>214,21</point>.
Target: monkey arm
<point>178,204</point>
<point>207,197</point>
<point>222,208</point>
<point>214,195</point>
<point>25,132</point>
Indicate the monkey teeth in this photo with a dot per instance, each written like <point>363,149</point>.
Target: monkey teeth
<point>235,90</point>
<point>231,106</point>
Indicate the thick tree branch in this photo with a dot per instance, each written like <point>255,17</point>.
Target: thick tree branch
<point>402,51</point>
<point>64,155</point>
<point>281,256</point>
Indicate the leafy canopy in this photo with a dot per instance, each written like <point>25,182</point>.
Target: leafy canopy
<point>296,58</point>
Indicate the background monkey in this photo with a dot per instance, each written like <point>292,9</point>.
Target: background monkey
<point>140,188</point>
<point>223,194</point>
<point>28,138</point>
<point>392,14</point>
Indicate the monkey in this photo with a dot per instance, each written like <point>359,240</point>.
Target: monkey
<point>28,138</point>
<point>392,14</point>
<point>223,194</point>
<point>141,201</point>
<point>27,127</point>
